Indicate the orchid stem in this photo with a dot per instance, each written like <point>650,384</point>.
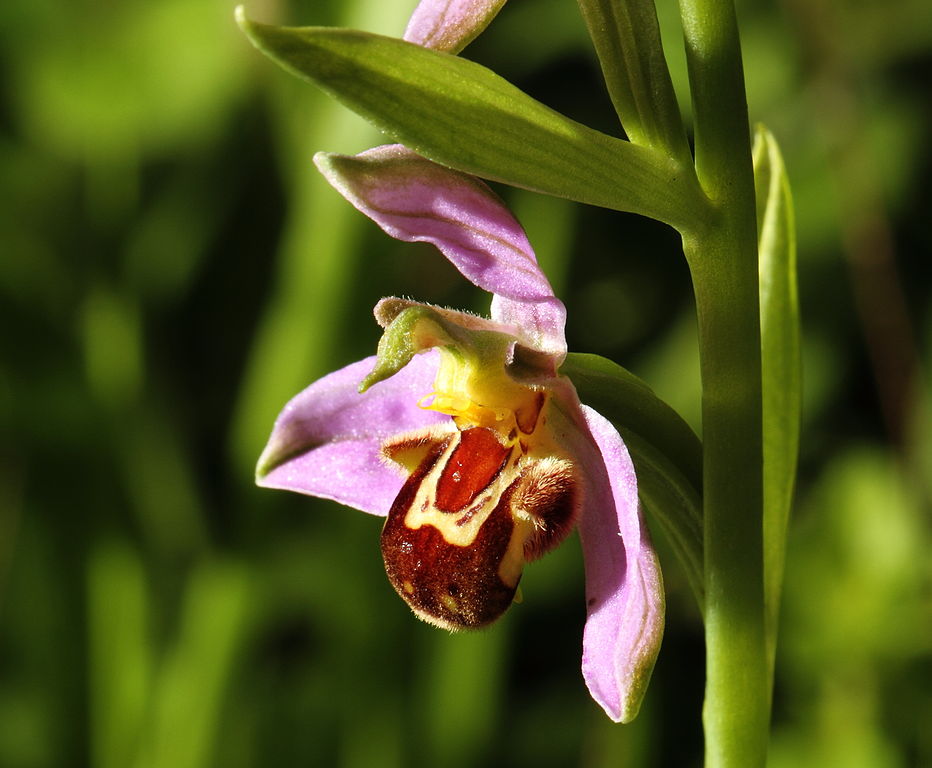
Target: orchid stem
<point>723,262</point>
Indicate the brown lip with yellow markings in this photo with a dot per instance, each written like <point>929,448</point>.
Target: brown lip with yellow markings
<point>469,516</point>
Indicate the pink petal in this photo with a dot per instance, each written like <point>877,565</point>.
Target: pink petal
<point>624,586</point>
<point>415,200</point>
<point>327,440</point>
<point>542,323</point>
<point>450,25</point>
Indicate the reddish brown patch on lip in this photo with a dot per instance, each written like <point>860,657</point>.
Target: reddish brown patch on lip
<point>474,463</point>
<point>451,586</point>
<point>449,539</point>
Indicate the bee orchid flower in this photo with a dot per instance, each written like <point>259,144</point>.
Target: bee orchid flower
<point>462,433</point>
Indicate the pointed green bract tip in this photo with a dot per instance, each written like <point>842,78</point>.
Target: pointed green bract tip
<point>323,160</point>
<point>256,33</point>
<point>373,378</point>
<point>413,330</point>
<point>239,13</point>
<point>275,453</point>
<point>384,369</point>
<point>262,469</point>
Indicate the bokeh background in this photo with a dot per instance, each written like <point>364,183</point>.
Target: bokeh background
<point>172,270</point>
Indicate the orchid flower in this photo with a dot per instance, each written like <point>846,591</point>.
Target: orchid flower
<point>468,434</point>
<point>462,433</point>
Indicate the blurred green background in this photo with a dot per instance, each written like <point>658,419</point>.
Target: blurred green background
<point>172,270</point>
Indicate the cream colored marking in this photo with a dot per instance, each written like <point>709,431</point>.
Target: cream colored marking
<point>461,528</point>
<point>409,449</point>
<point>512,564</point>
<point>451,525</point>
<point>450,603</point>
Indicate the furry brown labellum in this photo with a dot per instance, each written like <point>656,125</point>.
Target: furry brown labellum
<point>474,509</point>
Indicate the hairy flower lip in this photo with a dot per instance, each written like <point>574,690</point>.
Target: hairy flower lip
<point>473,511</point>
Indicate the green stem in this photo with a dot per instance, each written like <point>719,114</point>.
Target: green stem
<point>723,262</point>
<point>737,709</point>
